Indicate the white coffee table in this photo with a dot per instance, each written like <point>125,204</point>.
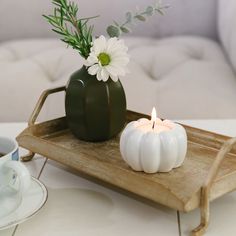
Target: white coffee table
<point>77,206</point>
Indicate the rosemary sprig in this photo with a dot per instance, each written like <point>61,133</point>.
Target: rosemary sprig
<point>74,31</point>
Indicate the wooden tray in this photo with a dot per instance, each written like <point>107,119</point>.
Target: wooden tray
<point>202,178</point>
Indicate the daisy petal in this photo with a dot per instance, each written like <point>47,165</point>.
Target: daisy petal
<point>99,45</point>
<point>121,61</point>
<point>112,70</point>
<point>110,44</point>
<point>93,70</point>
<point>104,74</point>
<point>99,74</point>
<point>92,58</point>
<point>114,78</point>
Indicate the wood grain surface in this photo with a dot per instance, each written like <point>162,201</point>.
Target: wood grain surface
<point>178,189</point>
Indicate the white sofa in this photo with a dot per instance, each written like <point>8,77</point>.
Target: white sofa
<point>183,63</point>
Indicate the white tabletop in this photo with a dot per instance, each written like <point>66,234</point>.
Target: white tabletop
<point>77,206</point>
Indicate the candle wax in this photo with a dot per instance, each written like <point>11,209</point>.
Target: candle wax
<point>157,128</point>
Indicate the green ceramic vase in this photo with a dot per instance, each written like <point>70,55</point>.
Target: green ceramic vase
<point>95,110</point>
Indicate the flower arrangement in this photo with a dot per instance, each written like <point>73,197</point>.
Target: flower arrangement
<point>95,101</point>
<point>105,58</point>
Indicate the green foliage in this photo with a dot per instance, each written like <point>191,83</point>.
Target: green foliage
<point>113,30</point>
<point>78,34</point>
<point>117,29</point>
<point>74,31</point>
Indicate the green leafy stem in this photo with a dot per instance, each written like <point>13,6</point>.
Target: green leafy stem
<point>116,29</point>
<point>76,32</point>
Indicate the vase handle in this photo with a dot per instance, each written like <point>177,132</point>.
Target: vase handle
<point>41,102</point>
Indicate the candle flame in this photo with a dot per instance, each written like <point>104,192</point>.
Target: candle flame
<point>154,117</point>
<point>154,114</point>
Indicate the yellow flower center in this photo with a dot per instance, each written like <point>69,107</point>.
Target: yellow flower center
<point>104,58</point>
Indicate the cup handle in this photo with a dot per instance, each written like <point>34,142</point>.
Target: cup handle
<point>22,173</point>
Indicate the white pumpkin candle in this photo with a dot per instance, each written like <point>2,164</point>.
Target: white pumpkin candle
<point>153,145</point>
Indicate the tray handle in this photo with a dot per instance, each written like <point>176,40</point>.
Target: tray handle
<point>41,102</point>
<point>35,114</point>
<point>205,189</point>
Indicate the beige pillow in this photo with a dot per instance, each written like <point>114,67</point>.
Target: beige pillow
<point>227,28</point>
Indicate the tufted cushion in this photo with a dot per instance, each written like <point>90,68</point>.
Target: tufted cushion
<point>50,56</point>
<point>184,77</point>
<point>226,28</point>
<point>160,57</point>
<point>29,67</point>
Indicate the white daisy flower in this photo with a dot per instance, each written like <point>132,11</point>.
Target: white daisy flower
<point>107,58</point>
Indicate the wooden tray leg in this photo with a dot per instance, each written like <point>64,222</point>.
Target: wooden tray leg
<point>28,157</point>
<point>205,214</point>
<point>206,188</point>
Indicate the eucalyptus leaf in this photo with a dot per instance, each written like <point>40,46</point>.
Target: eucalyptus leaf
<point>129,17</point>
<point>160,11</point>
<point>125,29</point>
<point>149,10</point>
<point>140,17</point>
<point>113,31</point>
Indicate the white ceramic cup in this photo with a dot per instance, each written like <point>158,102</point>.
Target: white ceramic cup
<point>15,179</point>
